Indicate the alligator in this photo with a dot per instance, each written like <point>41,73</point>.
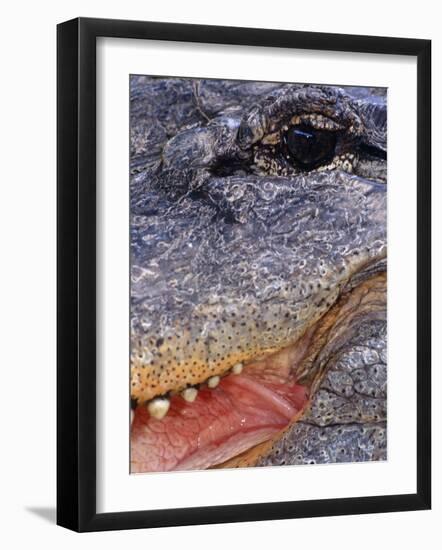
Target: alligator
<point>258,274</point>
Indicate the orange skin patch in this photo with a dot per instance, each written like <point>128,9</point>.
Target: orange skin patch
<point>188,356</point>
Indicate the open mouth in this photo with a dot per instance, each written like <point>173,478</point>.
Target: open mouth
<point>232,420</point>
<point>242,411</point>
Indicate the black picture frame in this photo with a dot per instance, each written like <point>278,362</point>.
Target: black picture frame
<point>76,274</point>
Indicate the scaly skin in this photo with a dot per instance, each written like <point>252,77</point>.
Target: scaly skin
<point>237,252</point>
<point>347,419</point>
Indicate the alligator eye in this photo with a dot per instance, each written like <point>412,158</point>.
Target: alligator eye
<point>308,147</point>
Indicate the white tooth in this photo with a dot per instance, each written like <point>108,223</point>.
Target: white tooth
<point>131,416</point>
<point>158,407</point>
<point>213,381</point>
<point>189,394</point>
<point>237,369</point>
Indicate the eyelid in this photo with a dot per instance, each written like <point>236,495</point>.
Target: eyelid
<point>264,117</point>
<point>317,122</point>
<point>316,107</point>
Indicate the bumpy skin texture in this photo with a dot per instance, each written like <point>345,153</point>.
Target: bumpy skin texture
<point>236,250</point>
<point>347,418</point>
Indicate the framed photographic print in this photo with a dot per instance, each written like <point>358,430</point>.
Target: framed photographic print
<point>230,347</point>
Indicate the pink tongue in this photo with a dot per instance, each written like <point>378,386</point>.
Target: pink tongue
<point>240,413</point>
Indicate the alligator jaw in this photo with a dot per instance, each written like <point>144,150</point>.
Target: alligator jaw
<point>237,423</point>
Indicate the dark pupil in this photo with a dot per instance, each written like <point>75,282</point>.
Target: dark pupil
<point>308,147</point>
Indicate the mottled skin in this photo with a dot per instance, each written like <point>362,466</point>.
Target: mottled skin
<point>347,418</point>
<point>237,251</point>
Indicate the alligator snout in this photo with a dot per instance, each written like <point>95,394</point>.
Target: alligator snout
<point>264,260</point>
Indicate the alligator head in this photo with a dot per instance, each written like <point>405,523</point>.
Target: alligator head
<point>258,274</point>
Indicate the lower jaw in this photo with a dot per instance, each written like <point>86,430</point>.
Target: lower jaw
<point>236,423</point>
<point>241,413</point>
